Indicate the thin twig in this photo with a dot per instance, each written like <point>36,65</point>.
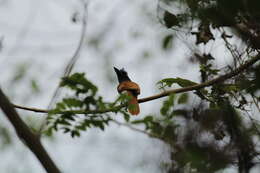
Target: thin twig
<point>72,61</point>
<point>163,94</point>
<point>31,109</point>
<point>256,103</point>
<point>76,54</point>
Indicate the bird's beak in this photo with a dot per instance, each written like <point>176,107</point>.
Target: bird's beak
<point>117,71</point>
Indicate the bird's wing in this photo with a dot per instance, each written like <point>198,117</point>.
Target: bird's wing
<point>128,85</point>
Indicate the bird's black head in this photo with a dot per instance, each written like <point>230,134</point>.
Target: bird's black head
<point>121,75</point>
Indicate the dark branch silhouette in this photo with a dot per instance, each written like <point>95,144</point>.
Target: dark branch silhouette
<point>25,134</point>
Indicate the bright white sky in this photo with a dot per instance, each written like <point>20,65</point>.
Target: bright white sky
<point>41,35</point>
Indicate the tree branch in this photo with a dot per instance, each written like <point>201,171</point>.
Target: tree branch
<point>163,94</point>
<point>205,84</point>
<point>31,109</point>
<point>29,138</point>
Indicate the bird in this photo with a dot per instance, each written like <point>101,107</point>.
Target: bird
<point>131,88</point>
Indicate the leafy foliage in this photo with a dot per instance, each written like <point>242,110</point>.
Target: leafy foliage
<point>238,14</point>
<point>216,131</point>
<point>170,81</point>
<point>223,113</point>
<point>78,83</point>
<point>85,109</point>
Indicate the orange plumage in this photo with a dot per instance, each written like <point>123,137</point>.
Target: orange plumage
<point>133,106</point>
<point>132,88</point>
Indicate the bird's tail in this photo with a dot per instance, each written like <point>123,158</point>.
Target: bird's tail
<point>133,106</point>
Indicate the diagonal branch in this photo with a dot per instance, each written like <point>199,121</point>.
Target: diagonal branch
<point>204,84</point>
<point>163,94</point>
<point>30,139</point>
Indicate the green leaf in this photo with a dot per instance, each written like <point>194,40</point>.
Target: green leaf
<point>60,106</point>
<point>34,86</point>
<point>183,98</point>
<point>167,105</point>
<point>167,42</point>
<point>20,72</point>
<point>207,68</point>
<point>181,82</point>
<point>79,84</point>
<point>65,129</point>
<point>48,132</point>
<point>98,123</point>
<point>180,112</point>
<point>170,19</point>
<point>148,118</point>
<point>137,121</point>
<point>230,88</point>
<point>72,102</point>
<point>126,116</point>
<point>147,121</point>
<point>156,128</point>
<point>124,98</point>
<point>169,132</point>
<point>64,122</point>
<point>75,133</point>
<point>53,112</point>
<point>81,127</point>
<point>102,127</point>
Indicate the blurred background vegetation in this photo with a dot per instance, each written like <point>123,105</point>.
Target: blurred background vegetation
<point>162,44</point>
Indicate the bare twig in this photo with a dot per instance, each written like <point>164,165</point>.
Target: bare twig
<point>76,54</point>
<point>163,94</point>
<point>72,61</point>
<point>256,103</point>
<point>31,109</point>
<point>30,139</point>
<point>70,111</point>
